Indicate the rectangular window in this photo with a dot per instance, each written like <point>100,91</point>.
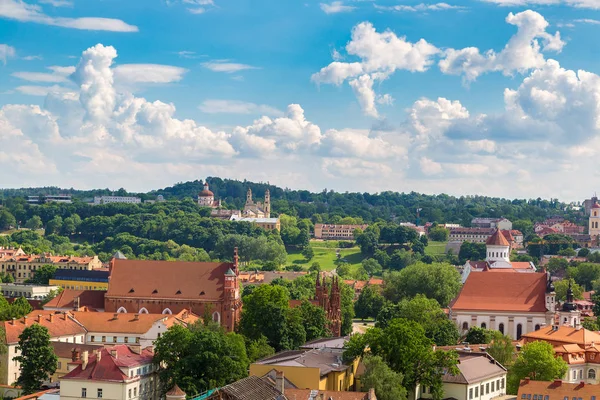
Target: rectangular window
<point>493,385</point>
<point>134,392</point>
<point>471,394</point>
<point>502,383</point>
<point>487,388</point>
<point>129,393</point>
<point>99,393</point>
<point>126,339</point>
<point>59,365</point>
<point>139,371</point>
<point>546,397</point>
<point>523,396</point>
<point>114,339</point>
<point>92,338</point>
<point>83,392</point>
<point>103,339</point>
<point>137,339</point>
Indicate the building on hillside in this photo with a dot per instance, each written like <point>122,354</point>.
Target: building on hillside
<point>358,286</point>
<point>330,301</point>
<point>474,235</point>
<point>480,377</point>
<point>497,258</point>
<point>319,368</point>
<point>74,300</point>
<point>220,213</point>
<point>168,287</point>
<point>579,347</point>
<point>206,198</point>
<point>268,224</point>
<point>118,373</point>
<point>594,223</point>
<point>260,277</point>
<point>512,303</point>
<point>116,199</point>
<point>81,279</point>
<point>50,198</point>
<point>493,223</point>
<point>557,390</point>
<point>66,353</point>
<point>588,203</point>
<point>33,292</point>
<point>257,209</point>
<point>23,266</point>
<point>61,328</point>
<point>123,328</point>
<point>337,232</point>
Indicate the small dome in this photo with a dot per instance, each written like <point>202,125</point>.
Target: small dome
<point>206,193</point>
<point>596,205</point>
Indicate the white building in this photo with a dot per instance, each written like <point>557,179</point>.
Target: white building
<point>118,373</point>
<point>206,198</point>
<point>34,292</point>
<point>480,377</point>
<point>116,199</point>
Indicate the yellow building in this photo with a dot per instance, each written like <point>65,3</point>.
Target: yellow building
<point>81,279</point>
<point>317,368</point>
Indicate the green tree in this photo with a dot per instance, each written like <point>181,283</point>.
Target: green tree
<point>34,222</point>
<point>347,300</point>
<point>567,252</point>
<point>386,383</point>
<point>308,253</point>
<point>557,265</point>
<point>401,259</point>
<point>471,251</point>
<point>315,267</point>
<point>257,349</point>
<point>7,220</point>
<point>537,361</point>
<point>561,287</point>
<point>477,335</point>
<point>200,357</point>
<point>54,225</point>
<point>583,252</point>
<point>439,234</point>
<point>19,308</point>
<point>372,266</point>
<point>37,358</point>
<point>43,274</point>
<point>501,348</point>
<point>585,274</point>
<point>368,242</point>
<point>369,303</point>
<point>314,321</point>
<point>439,281</point>
<point>343,270</point>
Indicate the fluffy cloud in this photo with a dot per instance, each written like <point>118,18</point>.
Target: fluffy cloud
<point>148,73</point>
<point>336,7</point>
<point>591,4</point>
<point>352,168</point>
<point>521,53</point>
<point>24,12</point>
<point>6,52</point>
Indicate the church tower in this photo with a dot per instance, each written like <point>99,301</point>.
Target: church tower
<point>267,204</point>
<point>232,305</point>
<point>249,197</point>
<point>569,314</point>
<point>335,309</point>
<point>498,250</point>
<point>594,223</point>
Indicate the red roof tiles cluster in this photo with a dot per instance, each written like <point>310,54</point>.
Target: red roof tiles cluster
<point>58,325</point>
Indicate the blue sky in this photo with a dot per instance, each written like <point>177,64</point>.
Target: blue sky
<point>496,97</point>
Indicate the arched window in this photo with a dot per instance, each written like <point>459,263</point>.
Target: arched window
<point>592,374</point>
<point>216,317</point>
<point>122,310</point>
<point>465,326</point>
<point>519,331</point>
<point>143,310</point>
<point>167,311</point>
<point>483,325</point>
<point>501,328</point>
<point>537,327</point>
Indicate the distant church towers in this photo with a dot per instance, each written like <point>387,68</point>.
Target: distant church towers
<point>258,209</point>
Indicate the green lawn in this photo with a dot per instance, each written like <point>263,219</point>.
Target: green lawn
<point>435,248</point>
<point>325,254</point>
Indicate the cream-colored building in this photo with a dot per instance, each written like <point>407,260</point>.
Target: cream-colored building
<point>34,292</point>
<point>118,373</point>
<point>22,266</point>
<point>268,224</point>
<point>480,377</point>
<point>61,327</point>
<point>257,209</point>
<point>337,232</point>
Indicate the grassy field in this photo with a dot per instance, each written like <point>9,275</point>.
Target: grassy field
<point>325,254</point>
<point>435,248</point>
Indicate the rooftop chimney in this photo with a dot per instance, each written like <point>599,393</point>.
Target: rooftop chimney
<point>12,321</point>
<point>25,319</point>
<point>84,359</point>
<point>557,382</point>
<point>39,318</point>
<point>116,316</point>
<point>65,316</point>
<point>137,349</point>
<point>98,355</point>
<point>74,354</point>
<point>136,317</point>
<point>279,381</point>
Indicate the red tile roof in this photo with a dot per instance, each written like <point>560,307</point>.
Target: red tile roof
<point>503,292</point>
<point>123,323</point>
<point>557,390</point>
<point>87,298</point>
<point>164,279</point>
<point>564,334</point>
<point>107,368</point>
<point>58,325</point>
<point>497,239</point>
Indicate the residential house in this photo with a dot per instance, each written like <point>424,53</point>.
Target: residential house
<point>66,353</point>
<point>480,377</point>
<point>118,373</point>
<point>556,390</point>
<point>337,232</point>
<point>33,292</point>
<point>74,300</point>
<point>494,223</point>
<point>169,287</point>
<point>61,328</point>
<point>23,266</point>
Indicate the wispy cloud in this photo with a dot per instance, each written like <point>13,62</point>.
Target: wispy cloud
<point>336,7</point>
<point>6,52</point>
<point>420,7</point>
<point>187,54</point>
<point>59,74</point>
<point>587,21</point>
<point>199,6</point>
<point>57,3</point>
<point>214,106</point>
<point>31,58</point>
<point>148,73</point>
<point>24,12</point>
<point>41,90</point>
<point>225,66</point>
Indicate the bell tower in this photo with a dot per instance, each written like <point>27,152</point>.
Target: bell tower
<point>249,197</point>
<point>594,222</point>
<point>267,204</point>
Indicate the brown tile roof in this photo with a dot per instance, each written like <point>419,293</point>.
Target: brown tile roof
<point>58,325</point>
<point>497,239</point>
<point>184,317</point>
<point>250,388</point>
<point>557,390</point>
<point>165,279</point>
<point>176,391</point>
<point>325,359</point>
<point>304,394</point>
<point>117,323</point>
<point>502,292</point>
<point>64,350</point>
<point>564,334</point>
<point>475,367</point>
<point>87,298</point>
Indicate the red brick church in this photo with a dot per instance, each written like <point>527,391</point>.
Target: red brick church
<point>168,287</point>
<point>331,303</point>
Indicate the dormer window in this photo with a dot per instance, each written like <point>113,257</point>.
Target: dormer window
<point>178,292</point>
<point>154,291</point>
<point>131,290</point>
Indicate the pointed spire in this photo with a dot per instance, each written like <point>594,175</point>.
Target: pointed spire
<point>235,260</point>
<point>570,292</point>
<point>318,279</point>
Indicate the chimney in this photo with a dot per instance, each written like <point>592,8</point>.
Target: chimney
<point>526,379</point>
<point>113,353</point>
<point>84,359</point>
<point>74,354</point>
<point>116,316</point>
<point>39,318</point>
<point>65,316</point>
<point>136,317</point>
<point>25,319</point>
<point>279,381</point>
<point>371,395</point>
<point>98,355</point>
<point>558,382</point>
